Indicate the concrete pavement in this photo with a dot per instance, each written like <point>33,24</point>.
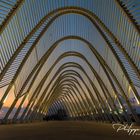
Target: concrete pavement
<point>63,130</point>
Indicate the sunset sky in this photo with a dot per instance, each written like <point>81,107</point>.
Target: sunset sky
<point>10,98</point>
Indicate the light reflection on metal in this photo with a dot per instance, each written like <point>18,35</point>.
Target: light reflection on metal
<point>131,91</point>
<point>5,99</point>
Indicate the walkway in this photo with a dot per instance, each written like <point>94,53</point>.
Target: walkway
<point>62,130</point>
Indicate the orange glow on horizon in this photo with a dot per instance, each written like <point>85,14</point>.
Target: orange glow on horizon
<point>10,98</point>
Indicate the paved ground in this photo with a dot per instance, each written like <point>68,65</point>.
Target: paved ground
<point>63,130</point>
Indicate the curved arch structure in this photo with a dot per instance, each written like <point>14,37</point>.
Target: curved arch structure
<point>69,55</point>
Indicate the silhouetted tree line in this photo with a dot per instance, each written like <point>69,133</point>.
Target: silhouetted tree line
<point>60,115</point>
